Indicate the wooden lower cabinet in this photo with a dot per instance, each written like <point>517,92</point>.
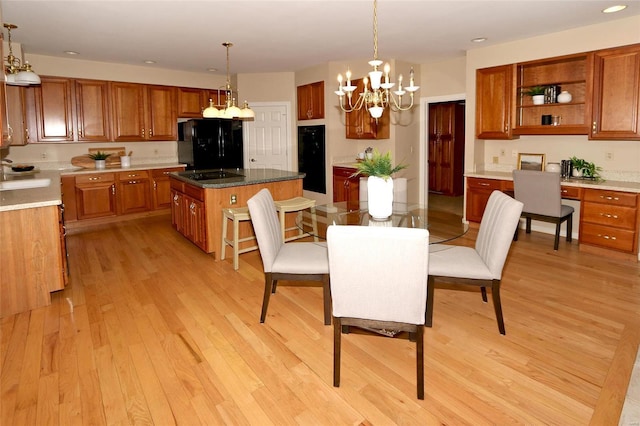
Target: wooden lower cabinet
<point>32,237</point>
<point>478,192</point>
<point>102,195</point>
<point>609,219</point>
<point>345,186</point>
<point>196,212</point>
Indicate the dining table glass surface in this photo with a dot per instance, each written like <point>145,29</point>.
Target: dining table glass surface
<point>443,225</point>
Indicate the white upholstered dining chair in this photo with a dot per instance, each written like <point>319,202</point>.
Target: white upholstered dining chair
<point>540,192</point>
<point>480,265</point>
<point>297,261</point>
<point>379,281</point>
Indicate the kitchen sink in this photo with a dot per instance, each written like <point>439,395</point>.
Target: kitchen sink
<point>9,185</point>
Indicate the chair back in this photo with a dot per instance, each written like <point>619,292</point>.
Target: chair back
<point>538,191</point>
<point>497,227</point>
<point>379,273</point>
<point>266,226</point>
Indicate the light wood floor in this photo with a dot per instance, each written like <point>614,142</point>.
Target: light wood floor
<point>153,331</point>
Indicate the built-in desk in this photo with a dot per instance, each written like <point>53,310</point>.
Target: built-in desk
<point>609,210</point>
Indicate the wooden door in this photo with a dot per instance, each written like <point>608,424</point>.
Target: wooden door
<point>127,111</point>
<point>616,94</point>
<point>446,148</point>
<point>161,117</point>
<point>92,111</point>
<point>495,92</point>
<point>52,117</point>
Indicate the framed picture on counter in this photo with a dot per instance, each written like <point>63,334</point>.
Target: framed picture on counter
<point>531,162</point>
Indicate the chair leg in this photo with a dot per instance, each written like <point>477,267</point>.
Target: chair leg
<point>224,235</point>
<point>497,306</point>
<point>420,361</point>
<point>337,326</point>
<point>236,244</point>
<point>570,228</point>
<point>483,291</point>
<point>326,290</point>
<point>556,240</point>
<point>268,284</point>
<point>528,225</point>
<point>428,317</point>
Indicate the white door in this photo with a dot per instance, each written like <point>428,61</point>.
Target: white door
<point>268,143</point>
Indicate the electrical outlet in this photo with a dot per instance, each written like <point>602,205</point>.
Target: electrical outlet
<point>608,156</point>
<point>495,160</point>
<point>502,152</point>
<point>233,199</point>
<point>44,155</point>
<point>514,153</point>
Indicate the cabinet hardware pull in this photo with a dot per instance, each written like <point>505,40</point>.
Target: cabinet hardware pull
<point>594,127</point>
<point>155,185</point>
<point>150,133</point>
<point>609,215</point>
<point>94,178</point>
<point>609,197</point>
<point>80,133</point>
<point>113,189</point>
<point>607,237</point>
<point>132,175</point>
<point>143,133</point>
<point>132,182</point>
<point>483,184</point>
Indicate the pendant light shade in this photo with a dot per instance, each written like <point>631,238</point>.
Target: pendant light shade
<point>17,73</point>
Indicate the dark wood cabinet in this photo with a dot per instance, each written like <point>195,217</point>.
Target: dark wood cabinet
<point>161,187</point>
<point>134,192</point>
<point>188,213</point>
<point>345,186</point>
<point>16,116</point>
<point>191,102</point>
<point>95,195</point>
<point>446,148</point>
<point>478,192</point>
<point>360,124</point>
<point>52,118</point>
<point>616,94</point>
<point>311,101</point>
<point>92,111</point>
<point>495,88</point>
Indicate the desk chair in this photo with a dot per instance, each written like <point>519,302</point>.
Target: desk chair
<point>480,265</point>
<point>387,291</point>
<point>302,261</point>
<point>540,194</point>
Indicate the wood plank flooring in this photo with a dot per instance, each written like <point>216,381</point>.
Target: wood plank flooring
<point>152,331</point>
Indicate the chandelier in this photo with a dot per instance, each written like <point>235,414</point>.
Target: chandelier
<point>229,109</point>
<point>379,96</point>
<point>16,73</point>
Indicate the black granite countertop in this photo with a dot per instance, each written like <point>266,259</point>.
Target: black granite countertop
<point>234,177</point>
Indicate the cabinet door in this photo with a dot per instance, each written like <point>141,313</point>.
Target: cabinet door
<point>162,197</point>
<point>345,187</point>
<point>95,196</point>
<point>495,88</point>
<point>195,226</point>
<point>191,102</point>
<point>134,196</point>
<point>177,211</point>
<point>52,117</point>
<point>161,117</point>
<point>478,193</point>
<point>16,115</point>
<point>616,94</point>
<point>6,133</point>
<point>311,101</point>
<point>127,105</point>
<point>92,111</point>
<point>360,124</point>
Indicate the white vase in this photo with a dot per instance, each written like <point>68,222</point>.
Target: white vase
<point>564,97</point>
<point>380,197</point>
<point>101,164</point>
<point>538,99</point>
<point>576,172</point>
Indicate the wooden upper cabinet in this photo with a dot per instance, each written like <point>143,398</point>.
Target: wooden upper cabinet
<point>92,111</point>
<point>53,104</point>
<point>191,102</point>
<point>360,124</point>
<point>143,112</point>
<point>495,88</point>
<point>311,101</point>
<point>616,94</point>
<point>15,115</point>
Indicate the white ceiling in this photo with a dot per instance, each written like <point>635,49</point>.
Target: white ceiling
<point>284,35</point>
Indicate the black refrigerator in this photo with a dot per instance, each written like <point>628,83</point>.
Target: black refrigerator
<point>210,143</point>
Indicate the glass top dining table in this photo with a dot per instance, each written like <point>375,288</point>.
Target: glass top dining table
<point>443,226</point>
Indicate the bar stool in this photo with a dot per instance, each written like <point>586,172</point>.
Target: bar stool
<point>237,215</point>
<point>297,204</point>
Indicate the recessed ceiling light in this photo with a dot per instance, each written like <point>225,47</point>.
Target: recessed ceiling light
<point>479,39</point>
<point>149,61</point>
<point>71,52</point>
<point>212,69</point>
<point>613,9</point>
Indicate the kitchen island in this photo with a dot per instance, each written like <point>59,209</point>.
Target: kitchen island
<point>198,197</point>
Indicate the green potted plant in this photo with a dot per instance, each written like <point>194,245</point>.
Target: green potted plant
<point>379,168</point>
<point>583,168</point>
<point>100,159</point>
<point>536,93</point>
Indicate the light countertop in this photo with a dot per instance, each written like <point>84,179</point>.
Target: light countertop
<point>81,171</point>
<point>32,197</point>
<point>611,185</point>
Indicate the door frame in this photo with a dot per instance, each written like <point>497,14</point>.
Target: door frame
<point>289,142</point>
<point>424,137</point>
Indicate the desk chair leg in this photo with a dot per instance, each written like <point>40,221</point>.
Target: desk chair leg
<point>497,306</point>
<point>428,319</point>
<point>570,228</point>
<point>420,361</point>
<point>337,329</point>
<point>528,225</point>
<point>556,240</point>
<point>326,290</point>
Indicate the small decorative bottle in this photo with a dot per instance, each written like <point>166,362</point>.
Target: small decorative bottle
<point>564,97</point>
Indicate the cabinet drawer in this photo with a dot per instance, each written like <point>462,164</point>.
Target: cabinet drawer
<point>610,215</point>
<point>609,237</point>
<point>344,171</point>
<point>194,191</point>
<point>610,197</point>
<point>133,174</point>
<point>571,192</point>
<point>164,172</point>
<point>95,178</point>
<point>478,183</point>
